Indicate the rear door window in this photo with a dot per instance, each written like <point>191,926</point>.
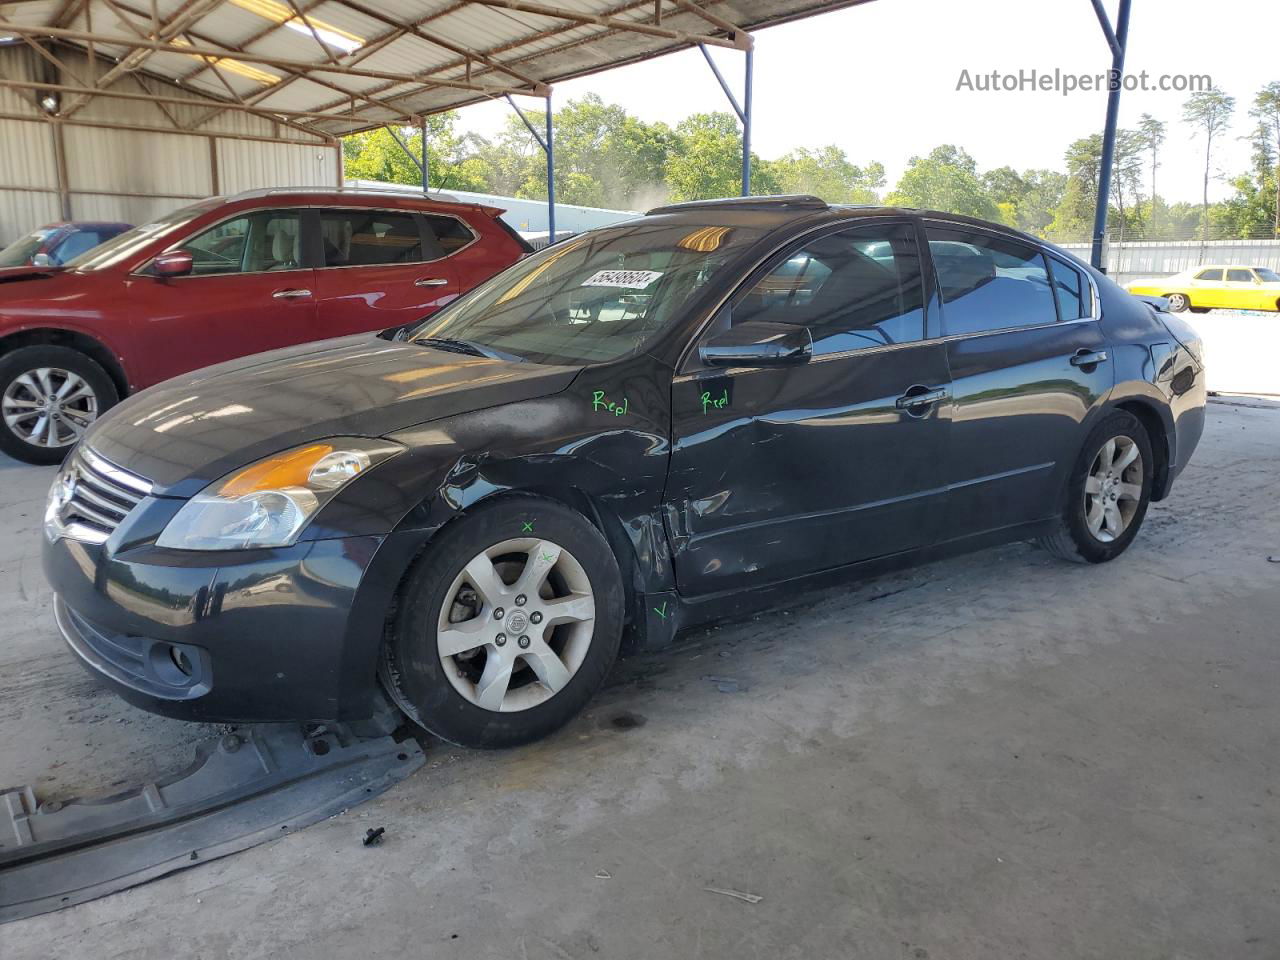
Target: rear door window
<point>451,234</point>
<point>1209,274</point>
<point>989,282</point>
<point>1074,295</point>
<point>364,238</point>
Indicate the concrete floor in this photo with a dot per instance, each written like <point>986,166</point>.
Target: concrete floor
<point>997,756</point>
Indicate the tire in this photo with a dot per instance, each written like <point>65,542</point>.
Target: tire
<point>1200,309</point>
<point>30,374</point>
<point>444,685</point>
<point>1178,302</point>
<point>1076,538</point>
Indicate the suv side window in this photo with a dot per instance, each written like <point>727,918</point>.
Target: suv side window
<point>989,282</point>
<point>1239,276</point>
<point>1075,299</point>
<point>362,238</point>
<point>255,243</point>
<point>1209,275</point>
<point>450,233</point>
<point>861,287</point>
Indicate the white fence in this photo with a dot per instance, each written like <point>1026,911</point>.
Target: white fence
<point>1159,258</point>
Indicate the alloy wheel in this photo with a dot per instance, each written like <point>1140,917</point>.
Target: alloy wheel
<point>516,624</point>
<point>1113,489</point>
<point>1178,302</point>
<point>49,407</point>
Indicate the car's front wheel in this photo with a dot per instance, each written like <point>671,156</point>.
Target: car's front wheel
<point>48,397</point>
<point>506,626</point>
<point>1178,302</point>
<point>1107,493</point>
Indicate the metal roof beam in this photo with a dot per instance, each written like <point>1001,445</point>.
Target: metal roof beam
<point>321,138</point>
<point>739,42</point>
<point>186,14</point>
<point>302,66</point>
<point>421,34</point>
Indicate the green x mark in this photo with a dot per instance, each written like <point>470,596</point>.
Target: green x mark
<point>547,558</point>
<point>528,527</point>
<point>661,611</point>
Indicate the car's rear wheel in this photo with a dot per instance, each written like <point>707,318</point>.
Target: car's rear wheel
<point>49,396</point>
<point>506,626</point>
<point>1178,302</point>
<point>1107,494</point>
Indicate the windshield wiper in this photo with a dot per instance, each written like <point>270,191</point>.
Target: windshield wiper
<point>469,347</point>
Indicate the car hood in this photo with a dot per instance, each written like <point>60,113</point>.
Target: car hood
<point>11,278</point>
<point>187,432</point>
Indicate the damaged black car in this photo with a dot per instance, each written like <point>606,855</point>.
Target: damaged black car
<point>649,426</point>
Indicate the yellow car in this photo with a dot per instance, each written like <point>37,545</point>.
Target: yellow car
<point>1205,287</point>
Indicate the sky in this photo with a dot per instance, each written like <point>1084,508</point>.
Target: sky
<point>880,81</point>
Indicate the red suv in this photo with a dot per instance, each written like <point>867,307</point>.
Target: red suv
<point>221,279</point>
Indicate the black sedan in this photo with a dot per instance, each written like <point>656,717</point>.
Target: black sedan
<point>674,419</point>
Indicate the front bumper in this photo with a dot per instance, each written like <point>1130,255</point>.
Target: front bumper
<point>247,636</point>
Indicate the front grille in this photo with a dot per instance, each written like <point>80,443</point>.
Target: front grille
<point>98,496</point>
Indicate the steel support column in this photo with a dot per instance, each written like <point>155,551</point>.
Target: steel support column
<point>547,143</point>
<point>743,110</point>
<point>550,148</point>
<point>746,123</point>
<point>1117,40</point>
<point>426,167</point>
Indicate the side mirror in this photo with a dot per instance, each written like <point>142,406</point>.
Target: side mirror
<point>758,343</point>
<point>42,260</point>
<point>175,263</point>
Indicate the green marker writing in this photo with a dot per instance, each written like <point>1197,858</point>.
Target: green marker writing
<point>718,403</point>
<point>600,402</point>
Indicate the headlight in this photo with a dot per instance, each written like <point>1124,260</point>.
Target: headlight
<point>269,503</point>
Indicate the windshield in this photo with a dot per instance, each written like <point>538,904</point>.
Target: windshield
<point>20,252</point>
<point>593,298</point>
<point>1267,276</point>
<point>131,241</point>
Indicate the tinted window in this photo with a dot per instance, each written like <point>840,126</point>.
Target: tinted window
<point>1239,276</point>
<point>989,282</point>
<point>1074,296</point>
<point>358,238</point>
<point>1209,275</point>
<point>857,288</point>
<point>259,242</point>
<point>1266,275</point>
<point>76,244</point>
<point>450,233</point>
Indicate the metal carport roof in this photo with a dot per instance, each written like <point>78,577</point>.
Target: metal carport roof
<point>335,67</point>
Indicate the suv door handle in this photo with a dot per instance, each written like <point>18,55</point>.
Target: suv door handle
<point>1088,358</point>
<point>920,396</point>
<point>292,294</point>
<point>431,282</point>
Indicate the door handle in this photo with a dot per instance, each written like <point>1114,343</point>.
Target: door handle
<point>1088,358</point>
<point>920,396</point>
<point>292,294</point>
<point>431,282</point>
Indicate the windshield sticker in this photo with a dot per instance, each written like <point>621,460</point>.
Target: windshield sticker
<point>622,279</point>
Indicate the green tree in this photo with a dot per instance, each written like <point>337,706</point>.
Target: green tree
<point>947,180</point>
<point>827,173</point>
<point>1266,111</point>
<point>451,159</point>
<point>1209,110</point>
<point>1126,181</point>
<point>1073,218</point>
<point>708,159</point>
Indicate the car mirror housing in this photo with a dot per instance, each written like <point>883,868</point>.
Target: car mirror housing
<point>42,260</point>
<point>175,263</point>
<point>758,343</point>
